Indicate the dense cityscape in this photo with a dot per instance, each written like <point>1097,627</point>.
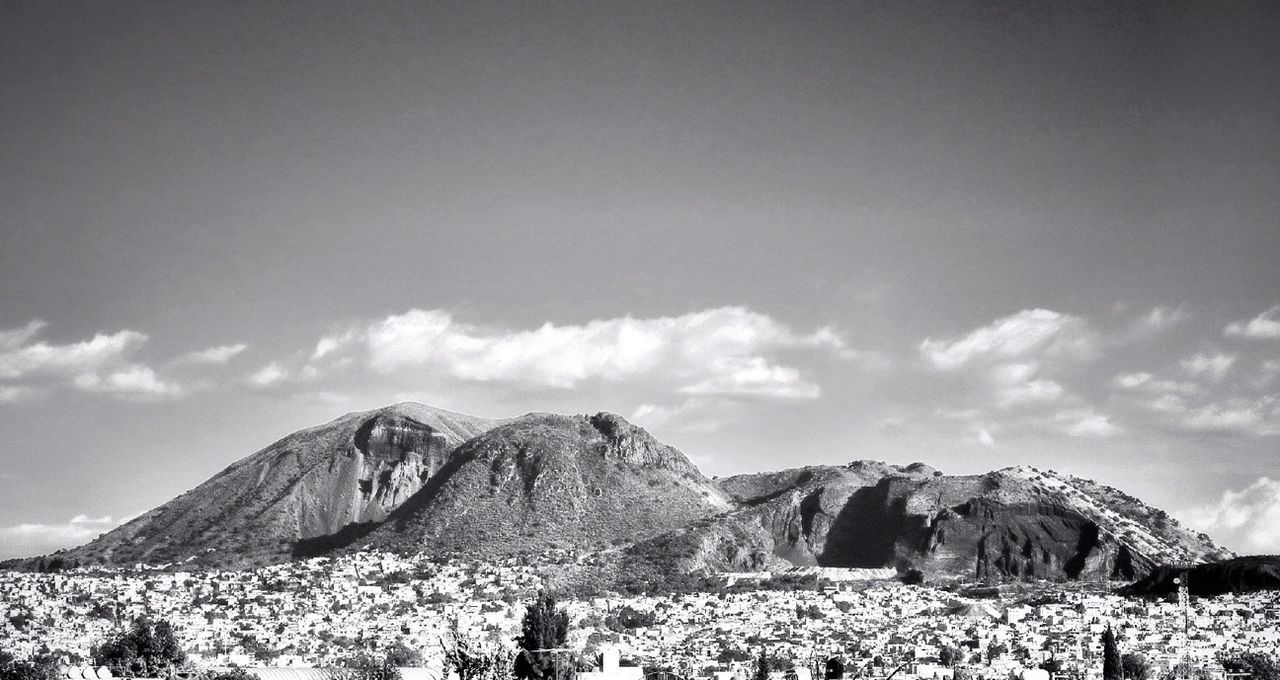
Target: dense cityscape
<point>324,612</point>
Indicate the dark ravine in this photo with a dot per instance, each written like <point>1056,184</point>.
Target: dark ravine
<point>413,478</point>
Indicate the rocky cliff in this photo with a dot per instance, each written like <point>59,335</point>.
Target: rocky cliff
<point>1012,523</point>
<point>410,478</point>
<point>1238,575</point>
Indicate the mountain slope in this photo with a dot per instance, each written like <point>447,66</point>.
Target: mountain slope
<point>1238,575</point>
<point>552,481</point>
<point>1011,523</point>
<point>412,478</point>
<point>296,495</point>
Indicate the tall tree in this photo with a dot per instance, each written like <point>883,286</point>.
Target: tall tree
<point>762,666</point>
<point>545,628</point>
<point>1135,666</point>
<point>148,649</point>
<point>1111,664</point>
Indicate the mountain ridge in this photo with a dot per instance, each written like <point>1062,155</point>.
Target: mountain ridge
<point>410,477</point>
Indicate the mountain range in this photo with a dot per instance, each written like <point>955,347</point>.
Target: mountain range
<point>412,478</point>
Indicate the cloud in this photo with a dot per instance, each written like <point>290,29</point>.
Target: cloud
<point>271,374</point>
<point>1265,326</point>
<point>1250,417</point>
<point>213,355</point>
<point>1147,383</point>
<point>699,415</point>
<point>29,540</point>
<point>14,394</point>
<point>134,381</point>
<point>102,365</point>
<point>985,438</point>
<point>1086,423</point>
<point>1016,384</point>
<point>1154,322</point>
<point>756,377</point>
<point>1247,520</point>
<point>21,360</point>
<point>723,351</point>
<point>17,337</point>
<point>1031,332</point>
<point>1213,367</point>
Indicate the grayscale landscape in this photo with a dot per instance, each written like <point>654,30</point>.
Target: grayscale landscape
<point>639,341</point>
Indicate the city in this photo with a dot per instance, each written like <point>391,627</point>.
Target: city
<point>324,611</point>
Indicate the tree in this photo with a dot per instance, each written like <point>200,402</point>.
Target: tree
<point>1257,664</point>
<point>1052,666</point>
<point>40,668</point>
<point>762,666</point>
<point>472,660</point>
<point>369,667</point>
<point>1135,666</point>
<point>147,649</point>
<point>234,673</point>
<point>403,656</point>
<point>948,655</point>
<point>1111,668</point>
<point>545,627</point>
<point>996,650</point>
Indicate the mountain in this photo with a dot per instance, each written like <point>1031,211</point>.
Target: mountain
<point>1011,523</point>
<point>552,481</point>
<point>410,477</point>
<point>1238,575</point>
<point>312,488</point>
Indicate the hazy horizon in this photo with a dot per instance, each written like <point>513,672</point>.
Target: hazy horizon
<point>772,234</point>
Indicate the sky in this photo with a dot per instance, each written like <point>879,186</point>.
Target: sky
<point>775,234</point>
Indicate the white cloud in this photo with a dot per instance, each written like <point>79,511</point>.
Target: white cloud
<point>134,381</point>
<point>1211,366</point>
<point>100,365</point>
<point>1016,384</point>
<point>1265,326</point>
<point>29,540</point>
<point>271,374</point>
<point>21,360</point>
<point>1086,423</point>
<point>1155,321</point>
<point>1247,520</point>
<point>1145,382</point>
<point>13,394</point>
<point>984,437</point>
<point>1267,372</point>
<point>1237,415</point>
<point>728,350</point>
<point>754,376</point>
<point>1258,417</point>
<point>213,355</point>
<point>1031,332</point>
<point>17,337</point>
<point>699,415</point>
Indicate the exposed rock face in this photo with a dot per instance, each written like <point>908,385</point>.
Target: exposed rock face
<point>547,480</point>
<point>304,494</point>
<point>1012,523</point>
<point>1238,575</point>
<point>410,478</point>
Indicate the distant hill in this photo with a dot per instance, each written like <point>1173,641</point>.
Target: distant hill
<point>552,481</point>
<point>1237,575</point>
<point>1011,523</point>
<point>297,496</point>
<point>410,477</point>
